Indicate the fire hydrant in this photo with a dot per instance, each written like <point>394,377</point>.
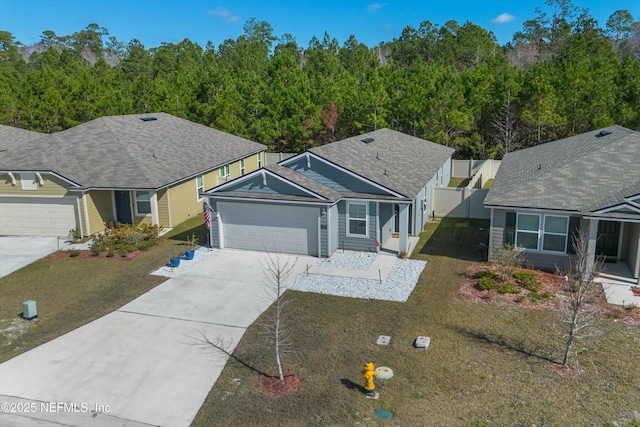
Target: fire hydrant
<point>369,374</point>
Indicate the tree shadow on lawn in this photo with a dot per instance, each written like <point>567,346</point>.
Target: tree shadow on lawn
<point>517,345</point>
<point>464,239</point>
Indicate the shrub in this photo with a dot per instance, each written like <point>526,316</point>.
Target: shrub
<point>508,288</point>
<point>125,238</point>
<point>487,273</point>
<point>110,253</point>
<point>535,297</point>
<point>486,283</point>
<point>95,251</point>
<point>528,280</point>
<point>507,258</point>
<point>74,253</point>
<point>145,245</point>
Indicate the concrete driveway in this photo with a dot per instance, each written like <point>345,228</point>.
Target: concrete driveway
<point>18,252</point>
<point>144,364</point>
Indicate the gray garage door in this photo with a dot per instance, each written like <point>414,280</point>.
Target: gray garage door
<point>289,229</point>
<point>37,217</point>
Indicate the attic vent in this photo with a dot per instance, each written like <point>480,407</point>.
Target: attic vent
<point>148,119</point>
<point>603,133</point>
<point>367,140</point>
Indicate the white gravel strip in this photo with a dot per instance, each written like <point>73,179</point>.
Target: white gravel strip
<point>397,286</point>
<point>349,259</point>
<point>200,254</point>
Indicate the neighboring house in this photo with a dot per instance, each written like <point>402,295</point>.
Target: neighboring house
<point>348,194</point>
<point>542,195</point>
<point>142,168</point>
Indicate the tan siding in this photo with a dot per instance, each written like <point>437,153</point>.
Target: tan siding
<point>51,187</point>
<point>83,222</point>
<point>163,207</point>
<point>100,209</point>
<point>184,201</point>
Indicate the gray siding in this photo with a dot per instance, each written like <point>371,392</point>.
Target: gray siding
<point>545,261</point>
<point>357,243</point>
<point>496,234</point>
<point>333,178</point>
<point>324,230</point>
<point>274,186</point>
<point>386,221</point>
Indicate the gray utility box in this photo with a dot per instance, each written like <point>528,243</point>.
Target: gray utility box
<point>29,310</point>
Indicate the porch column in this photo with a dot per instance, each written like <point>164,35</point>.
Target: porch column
<point>593,237</point>
<point>155,217</point>
<point>403,243</point>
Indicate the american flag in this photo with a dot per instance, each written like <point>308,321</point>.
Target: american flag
<point>207,215</point>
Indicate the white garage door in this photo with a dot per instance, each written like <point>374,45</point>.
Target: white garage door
<point>289,229</point>
<point>37,217</point>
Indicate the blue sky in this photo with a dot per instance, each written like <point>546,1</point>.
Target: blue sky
<point>154,22</point>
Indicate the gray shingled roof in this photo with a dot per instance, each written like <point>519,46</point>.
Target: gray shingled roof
<point>11,137</point>
<point>126,152</point>
<point>409,162</point>
<point>583,173</point>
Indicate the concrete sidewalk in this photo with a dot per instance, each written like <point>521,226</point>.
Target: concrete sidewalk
<point>145,363</point>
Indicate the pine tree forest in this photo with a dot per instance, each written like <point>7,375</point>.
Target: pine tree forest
<point>563,74</point>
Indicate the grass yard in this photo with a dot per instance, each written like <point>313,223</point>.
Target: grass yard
<point>458,182</point>
<point>71,292</point>
<point>486,365</point>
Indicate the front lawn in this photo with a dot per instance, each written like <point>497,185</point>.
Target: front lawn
<point>487,364</point>
<point>72,291</point>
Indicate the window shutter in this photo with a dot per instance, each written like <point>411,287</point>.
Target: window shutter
<point>509,237</point>
<point>574,229</point>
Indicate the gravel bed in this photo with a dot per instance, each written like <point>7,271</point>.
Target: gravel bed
<point>168,271</point>
<point>397,286</point>
<point>349,259</point>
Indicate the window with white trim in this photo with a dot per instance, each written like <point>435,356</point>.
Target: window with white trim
<point>28,181</point>
<point>199,186</point>
<point>546,233</point>
<point>527,231</point>
<point>241,167</point>
<point>225,171</point>
<point>259,160</point>
<point>424,201</point>
<point>554,237</point>
<point>357,219</point>
<point>143,202</point>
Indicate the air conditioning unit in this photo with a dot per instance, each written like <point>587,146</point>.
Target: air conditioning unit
<point>29,310</point>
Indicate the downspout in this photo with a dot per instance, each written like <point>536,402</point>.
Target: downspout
<point>328,231</point>
<point>320,234</point>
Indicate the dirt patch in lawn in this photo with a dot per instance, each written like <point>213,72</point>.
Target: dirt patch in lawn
<point>273,387</point>
<point>88,255</point>
<point>552,289</point>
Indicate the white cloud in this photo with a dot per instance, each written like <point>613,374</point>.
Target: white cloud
<point>374,7</point>
<point>504,18</point>
<point>224,14</point>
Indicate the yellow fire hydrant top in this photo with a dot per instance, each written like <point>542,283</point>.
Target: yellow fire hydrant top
<point>369,374</point>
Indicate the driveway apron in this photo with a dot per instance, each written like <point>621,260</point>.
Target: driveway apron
<point>145,363</point>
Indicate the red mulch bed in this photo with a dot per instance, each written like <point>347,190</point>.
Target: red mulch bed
<point>273,387</point>
<point>551,284</point>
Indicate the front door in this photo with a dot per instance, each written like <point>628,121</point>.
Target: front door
<point>396,215</point>
<point>608,235</point>
<point>123,207</point>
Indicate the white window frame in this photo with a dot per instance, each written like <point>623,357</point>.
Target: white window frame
<point>199,187</point>
<point>138,213</point>
<point>537,232</point>
<point>349,219</point>
<point>241,167</point>
<point>28,181</point>
<point>550,233</point>
<point>259,160</point>
<point>225,171</point>
<point>542,219</point>
<point>424,200</point>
